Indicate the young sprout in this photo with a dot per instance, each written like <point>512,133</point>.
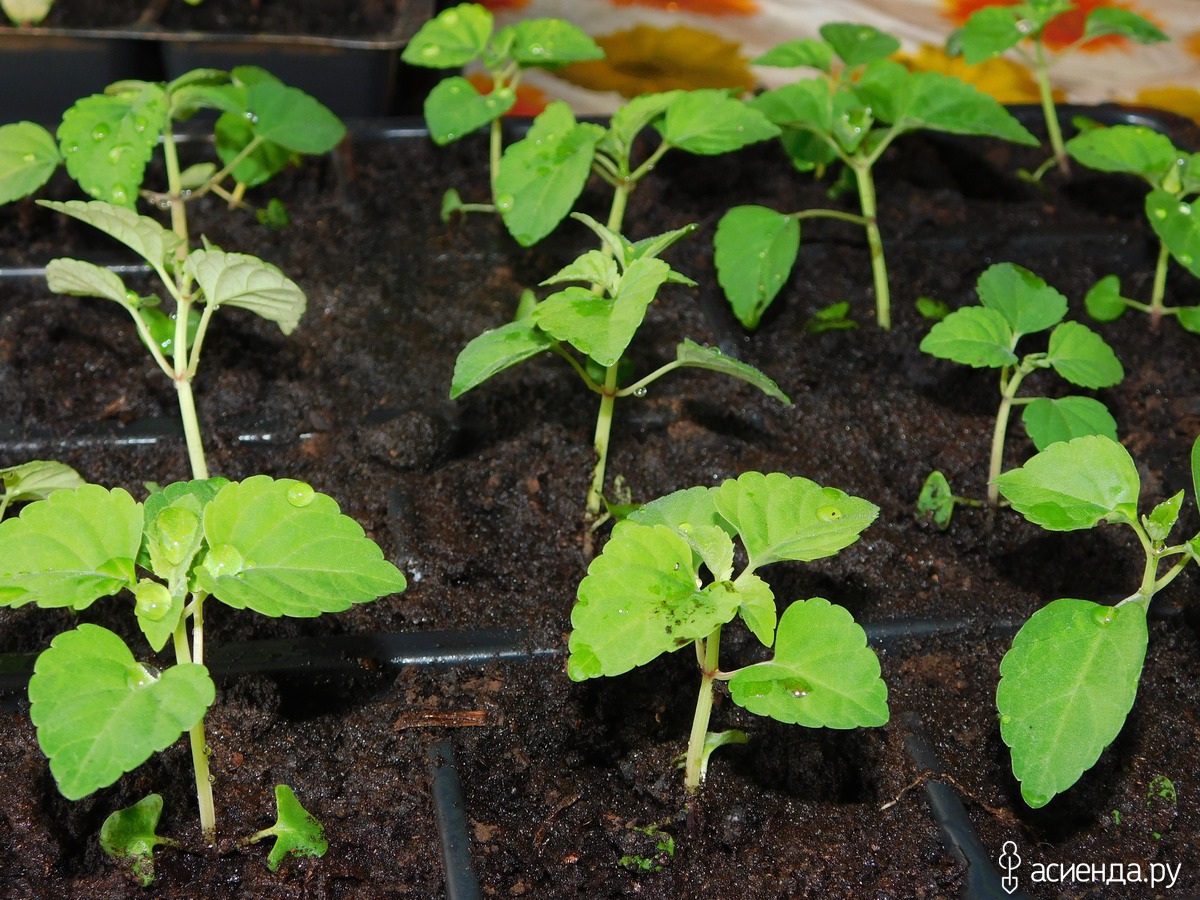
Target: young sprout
<point>1014,303</point>
<point>666,580</point>
<point>1071,676</point>
<point>276,547</point>
<point>106,141</point>
<point>1021,28</point>
<point>850,112</point>
<point>1174,179</point>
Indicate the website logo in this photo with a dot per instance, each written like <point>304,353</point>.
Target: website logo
<point>1010,860</point>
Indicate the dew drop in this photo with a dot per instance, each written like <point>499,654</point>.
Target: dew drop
<point>1104,615</point>
<point>251,117</point>
<point>456,89</point>
<point>450,136</point>
<point>450,17</point>
<point>72,148</point>
<point>799,694</point>
<point>1025,26</point>
<point>119,193</point>
<point>1036,800</point>
<point>537,49</point>
<point>29,157</point>
<point>1185,258</point>
<point>100,132</point>
<point>1160,214</point>
<point>139,124</point>
<point>132,298</point>
<point>1004,720</point>
<point>140,675</point>
<point>223,559</point>
<point>212,779</point>
<point>640,392</point>
<point>1185,209</point>
<point>430,52</point>
<point>797,687</point>
<point>504,202</point>
<point>829,513</point>
<point>300,494</point>
<point>115,154</point>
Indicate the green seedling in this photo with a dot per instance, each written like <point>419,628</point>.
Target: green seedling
<point>465,35</point>
<point>130,835</point>
<point>851,112</point>
<point>666,580</point>
<point>598,326</point>
<point>938,501</point>
<point>1021,29</point>
<point>1014,303</point>
<point>296,831</point>
<point>35,480</point>
<point>275,547</point>
<point>664,851</point>
<point>1070,678</point>
<point>106,142</point>
<point>1174,179</point>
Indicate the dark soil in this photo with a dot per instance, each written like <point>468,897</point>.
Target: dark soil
<point>480,502</point>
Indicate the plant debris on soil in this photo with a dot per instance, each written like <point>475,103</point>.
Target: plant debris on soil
<point>570,787</point>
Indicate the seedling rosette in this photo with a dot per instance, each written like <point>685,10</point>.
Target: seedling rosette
<point>666,580</point>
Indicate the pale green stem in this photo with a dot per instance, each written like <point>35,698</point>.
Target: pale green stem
<point>4,501</point>
<point>866,198</point>
<point>1159,290</point>
<point>1008,391</point>
<point>709,653</point>
<point>199,744</point>
<point>1046,94</point>
<point>496,145</point>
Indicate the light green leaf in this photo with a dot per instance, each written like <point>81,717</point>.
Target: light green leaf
<point>130,835</point>
<point>714,547</point>
<point>232,134</point>
<point>754,251</point>
<point>236,279</point>
<point>28,157</point>
<point>496,350</point>
<point>823,675</point>
<point>296,830</point>
<point>1174,221</point>
<point>141,234</point>
<point>37,480</point>
<point>757,608</point>
<point>1082,357</point>
<point>806,104</point>
<point>1195,461</point>
<point>1130,149</point>
<point>1051,421</point>
<point>282,549</point>
<point>791,518</point>
<point>70,549</point>
<point>648,248</point>
<point>1188,318</point>
<point>551,43</point>
<point>1162,519</point>
<point>695,356</point>
<point>987,33</point>
<point>455,108</point>
<point>1074,485</point>
<point>683,511</point>
<point>94,729</point>
<point>77,278</point>
<point>974,336</point>
<point>107,140</point>
<point>807,52</point>
<point>937,500</point>
<point>1104,301</point>
<point>541,176</point>
<point>640,600</point>
<point>1114,20</point>
<point>629,120</point>
<point>1066,687</point>
<point>710,122</point>
<point>292,119</point>
<point>597,327</point>
<point>451,39</point>
<point>593,267</point>
<point>1027,303</point>
<point>857,44</point>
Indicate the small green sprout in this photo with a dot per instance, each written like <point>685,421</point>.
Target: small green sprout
<point>664,848</point>
<point>35,480</point>
<point>1174,179</point>
<point>1161,788</point>
<point>1021,28</point>
<point>1015,303</point>
<point>276,547</point>
<point>647,594</point>
<point>1071,676</point>
<point>835,317</point>
<point>296,832</point>
<point>938,501</point>
<point>851,112</point>
<point>131,834</point>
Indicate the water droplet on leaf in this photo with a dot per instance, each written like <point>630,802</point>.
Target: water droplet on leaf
<point>29,157</point>
<point>504,202</point>
<point>640,392</point>
<point>100,132</point>
<point>252,117</point>
<point>119,193</point>
<point>829,513</point>
<point>223,559</point>
<point>141,676</point>
<point>300,494</point>
<point>430,52</point>
<point>1104,615</point>
<point>1160,214</point>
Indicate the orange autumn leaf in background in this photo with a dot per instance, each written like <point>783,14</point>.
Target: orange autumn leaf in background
<point>502,5</point>
<point>703,7</point>
<point>530,101</point>
<point>646,60</point>
<point>1062,31</point>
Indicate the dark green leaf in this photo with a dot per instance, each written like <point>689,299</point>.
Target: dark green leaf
<point>1027,303</point>
<point>974,336</point>
<point>754,251</point>
<point>494,351</point>
<point>1131,149</point>
<point>858,44</point>
<point>1082,357</point>
<point>710,122</point>
<point>130,836</point>
<point>454,108</point>
<point>1104,301</point>
<point>692,354</point>
<point>1050,421</point>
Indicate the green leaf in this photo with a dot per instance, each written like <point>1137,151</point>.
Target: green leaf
<point>823,675</point>
<point>932,308</point>
<point>714,547</point>
<point>790,518</point>
<point>28,157</point>
<point>1074,485</point>
<point>96,728</point>
<point>639,600</point>
<point>551,43</point>
<point>629,120</point>
<point>987,33</point>
<point>70,549</point>
<point>974,336</point>
<point>141,234</point>
<point>856,44</point>
<point>652,247</point>
<point>710,122</point>
<point>693,355</point>
<point>451,39</point>
<point>1066,687</point>
<point>130,835</point>
<point>1195,460</point>
<point>296,830</point>
<point>496,350</point>
<point>597,327</point>
<point>292,119</point>
<point>191,495</point>
<point>1162,518</point>
<point>454,108</point>
<point>806,104</point>
<point>684,511</point>
<point>754,251</point>
<point>937,500</point>
<point>233,134</point>
<point>834,317</point>
<point>235,279</point>
<point>1027,303</point>
<point>282,549</point>
<point>1104,301</point>
<point>37,480</point>
<point>807,52</point>
<point>77,278</point>
<point>1189,318</point>
<point>1130,149</point>
<point>1051,421</point>
<point>1114,20</point>
<point>107,140</point>
<point>541,176</point>
<point>1082,357</point>
<point>1175,224</point>
<point>757,608</point>
<point>593,267</point>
